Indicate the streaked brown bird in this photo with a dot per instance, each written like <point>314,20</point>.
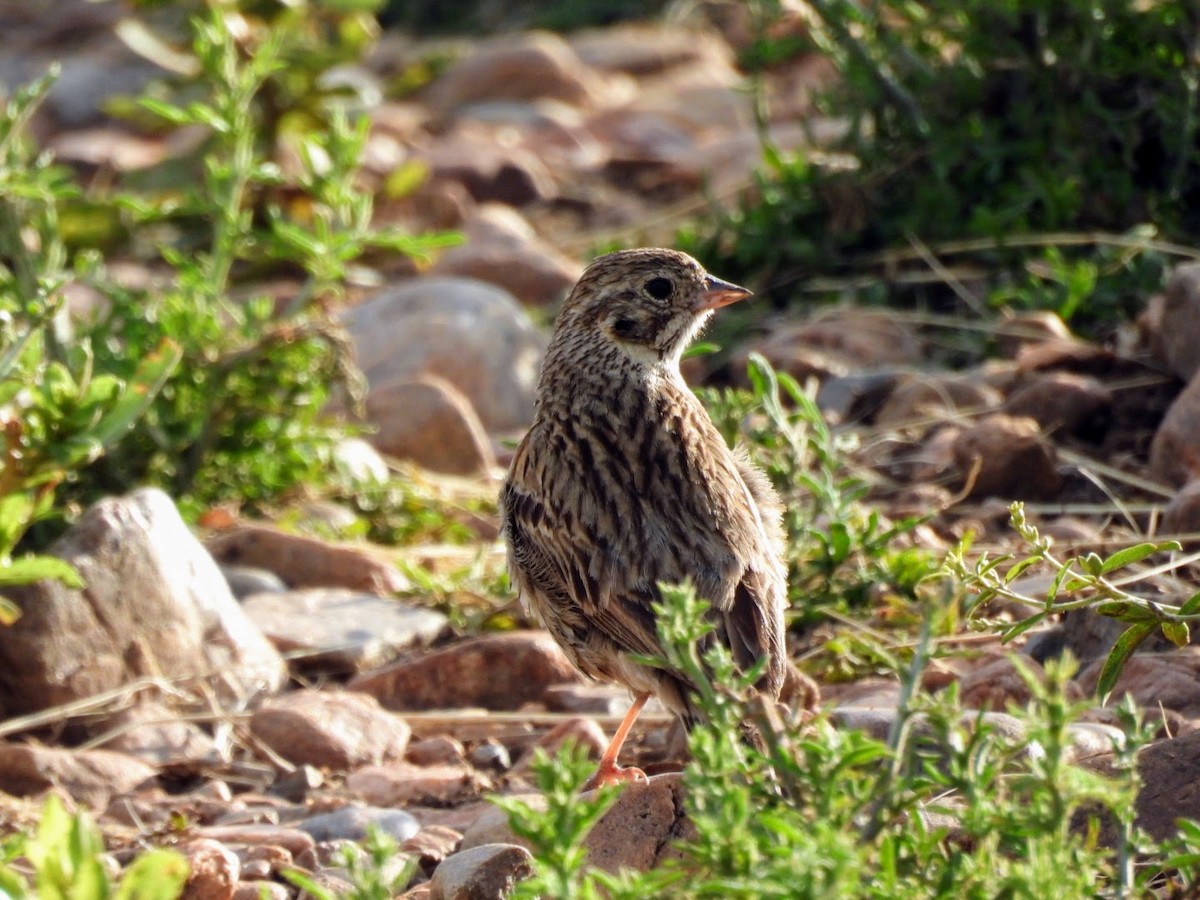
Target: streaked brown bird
<point>623,482</point>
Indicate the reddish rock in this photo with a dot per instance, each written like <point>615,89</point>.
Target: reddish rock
<point>436,750</point>
<point>490,167</point>
<point>1030,327</point>
<point>993,683</point>
<point>518,67</point>
<point>935,396</point>
<point>1170,680</point>
<point>307,562</point>
<point>841,341</point>
<point>1062,401</point>
<point>330,730</point>
<point>401,784</point>
<point>636,833</point>
<point>1175,450</point>
<point>432,844</point>
<point>1003,456</point>
<point>481,873</point>
<point>293,840</point>
<point>1179,335</point>
<point>429,421</point>
<point>214,870</point>
<point>502,249</point>
<point>90,776</point>
<point>1182,513</point>
<point>496,671</point>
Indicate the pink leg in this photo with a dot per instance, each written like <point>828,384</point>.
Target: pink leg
<point>608,772</point>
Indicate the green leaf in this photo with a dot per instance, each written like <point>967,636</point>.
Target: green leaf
<point>1191,606</point>
<point>38,568</point>
<point>1136,553</point>
<point>1177,633</point>
<point>1119,655</point>
<point>145,384</point>
<point>156,875</point>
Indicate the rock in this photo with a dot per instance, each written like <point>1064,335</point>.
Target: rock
<point>432,844</point>
<point>1088,635</point>
<point>260,890</point>
<point>854,396</point>
<point>1175,450</point>
<point>994,683</point>
<point>429,421</point>
<point>1061,401</point>
<point>518,67</point>
<point>490,756</point>
<point>643,48</point>
<point>436,750</point>
<point>214,870</point>
<point>296,786</point>
<point>585,734</point>
<point>1004,456</point>
<point>474,335</point>
<point>1170,680</point>
<point>1069,354</point>
<point>330,730</point>
<point>91,777</point>
<point>482,873</point>
<point>1030,327</point>
<point>1182,513</point>
<point>307,562</point>
<point>155,605</point>
<point>1168,772</point>
<point>588,699</point>
<point>1180,324</point>
<point>841,342</point>
<point>491,165</point>
<point>635,833</point>
<point>400,784</point>
<point>245,581</point>
<point>293,840</point>
<point>359,462</point>
<point>155,735</point>
<point>496,671</point>
<point>339,630</point>
<point>935,396</point>
<point>502,249</point>
<point>351,823</point>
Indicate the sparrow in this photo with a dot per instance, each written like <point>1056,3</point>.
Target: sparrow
<point>623,483</point>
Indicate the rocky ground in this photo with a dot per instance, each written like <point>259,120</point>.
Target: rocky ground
<point>279,692</point>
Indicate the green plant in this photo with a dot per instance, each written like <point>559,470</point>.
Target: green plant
<point>242,415</point>
<point>820,811</point>
<point>1087,581</point>
<point>65,855</point>
<point>376,870</point>
<point>59,409</point>
<point>842,554</point>
<point>979,133</point>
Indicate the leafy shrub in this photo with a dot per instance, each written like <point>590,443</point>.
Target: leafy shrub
<point>985,132</point>
<point>59,411</point>
<point>820,811</point>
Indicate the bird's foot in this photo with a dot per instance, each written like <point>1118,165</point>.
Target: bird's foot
<point>611,773</point>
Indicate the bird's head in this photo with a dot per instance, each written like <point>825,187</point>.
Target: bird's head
<point>647,303</point>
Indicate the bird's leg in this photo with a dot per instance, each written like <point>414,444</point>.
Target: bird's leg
<point>608,772</point>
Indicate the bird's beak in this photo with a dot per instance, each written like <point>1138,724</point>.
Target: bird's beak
<point>718,293</point>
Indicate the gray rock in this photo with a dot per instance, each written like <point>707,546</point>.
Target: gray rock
<point>245,581</point>
<point>341,630</point>
<point>350,823</point>
<point>473,335</point>
<point>155,604</point>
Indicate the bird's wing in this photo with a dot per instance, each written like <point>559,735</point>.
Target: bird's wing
<point>571,567</point>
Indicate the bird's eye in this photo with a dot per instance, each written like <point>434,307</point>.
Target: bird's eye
<point>660,288</point>
<point>624,327</point>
